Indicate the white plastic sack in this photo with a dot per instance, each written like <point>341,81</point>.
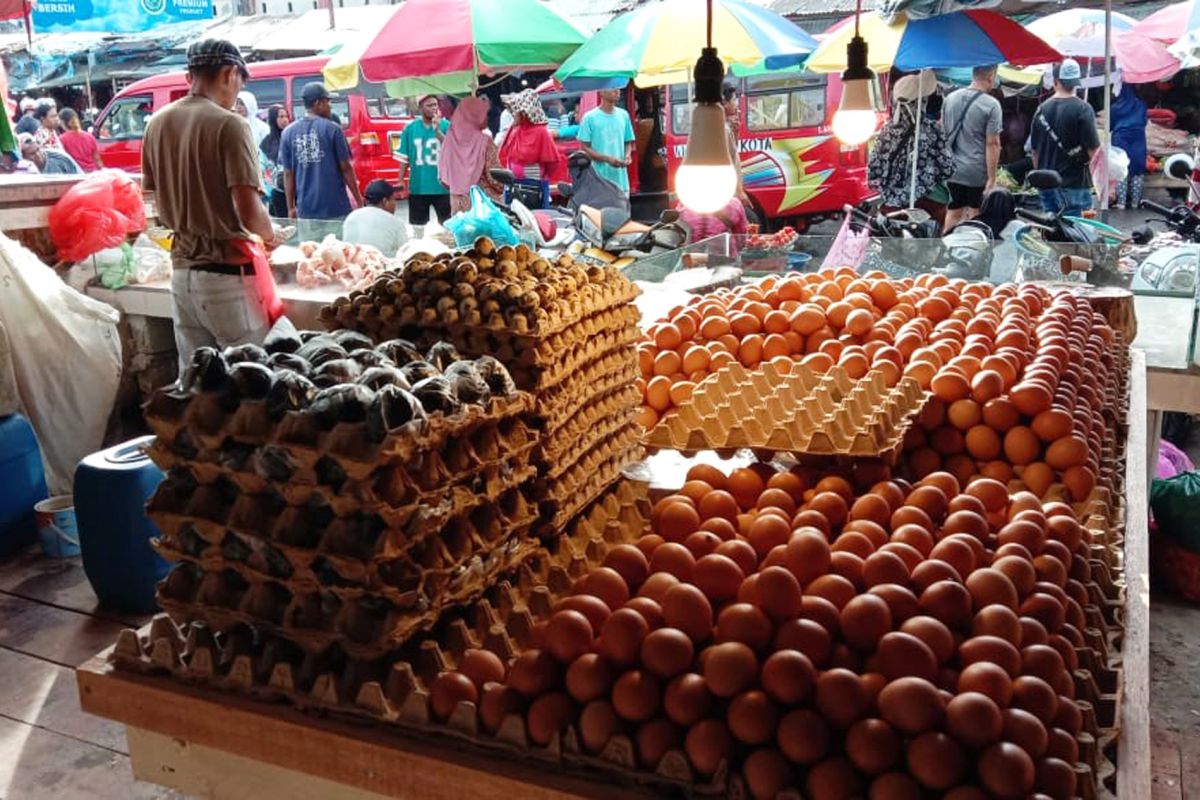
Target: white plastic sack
<point>1118,168</point>
<point>66,355</point>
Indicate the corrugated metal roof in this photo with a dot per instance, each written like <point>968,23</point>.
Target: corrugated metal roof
<point>817,8</point>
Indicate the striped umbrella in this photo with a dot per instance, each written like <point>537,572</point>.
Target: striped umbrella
<point>959,39</point>
<point>445,45</point>
<point>658,43</point>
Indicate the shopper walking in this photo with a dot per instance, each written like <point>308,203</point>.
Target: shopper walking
<point>78,143</point>
<point>1129,133</point>
<point>376,222</point>
<point>198,157</point>
<point>47,132</point>
<point>468,153</point>
<point>315,157</point>
<point>606,135</point>
<point>529,149</point>
<point>972,119</point>
<point>268,150</point>
<point>420,153</point>
<point>1064,139</point>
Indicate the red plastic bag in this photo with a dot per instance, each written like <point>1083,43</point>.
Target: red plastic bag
<point>264,279</point>
<point>95,214</point>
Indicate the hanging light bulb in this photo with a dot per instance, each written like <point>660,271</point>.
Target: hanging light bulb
<point>707,179</point>
<point>854,121</point>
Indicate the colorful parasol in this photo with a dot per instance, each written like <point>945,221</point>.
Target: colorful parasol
<point>1178,26</point>
<point>959,39</point>
<point>445,45</point>
<point>658,43</point>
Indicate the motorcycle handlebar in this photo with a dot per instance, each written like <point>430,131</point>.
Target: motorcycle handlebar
<point>1150,205</point>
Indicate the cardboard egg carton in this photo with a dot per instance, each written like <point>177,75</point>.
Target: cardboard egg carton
<point>598,418</point>
<point>564,492</point>
<point>558,405</point>
<point>195,423</point>
<point>357,550</point>
<point>798,411</point>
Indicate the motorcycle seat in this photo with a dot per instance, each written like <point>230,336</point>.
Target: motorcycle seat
<point>612,221</point>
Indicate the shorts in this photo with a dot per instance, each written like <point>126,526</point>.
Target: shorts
<point>419,205</point>
<point>963,196</point>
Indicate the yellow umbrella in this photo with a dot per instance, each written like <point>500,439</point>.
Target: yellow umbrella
<point>882,42</point>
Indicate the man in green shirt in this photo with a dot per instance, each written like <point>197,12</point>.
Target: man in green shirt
<point>419,151</point>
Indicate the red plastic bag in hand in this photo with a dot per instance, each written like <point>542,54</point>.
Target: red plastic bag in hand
<point>95,214</point>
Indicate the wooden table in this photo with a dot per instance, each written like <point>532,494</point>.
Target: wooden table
<point>220,745</point>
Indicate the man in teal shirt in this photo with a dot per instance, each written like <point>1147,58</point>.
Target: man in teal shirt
<point>606,135</point>
<point>419,151</point>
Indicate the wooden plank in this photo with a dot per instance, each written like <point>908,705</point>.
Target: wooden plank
<point>368,757</point>
<point>1189,772</point>
<point>58,582</point>
<point>54,634</point>
<point>1174,390</point>
<point>207,772</point>
<point>1133,747</point>
<point>1166,773</point>
<point>37,764</point>
<point>44,695</point>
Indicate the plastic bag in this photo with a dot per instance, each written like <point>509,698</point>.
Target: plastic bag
<point>482,219</point>
<point>849,247</point>
<point>66,356</point>
<point>264,279</point>
<point>95,214</point>
<point>1118,167</point>
<point>114,266</point>
<point>1176,506</point>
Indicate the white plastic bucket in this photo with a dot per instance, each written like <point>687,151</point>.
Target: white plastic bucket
<point>56,526</point>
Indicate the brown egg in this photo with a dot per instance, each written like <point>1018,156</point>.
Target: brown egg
<point>595,609</point>
<point>807,555</point>
<point>1006,771</point>
<point>934,633</point>
<point>741,553</point>
<point>1021,445</point>
<point>949,602</point>
<point>809,518</point>
<point>1062,745</point>
<point>635,695</point>
<point>729,668</point>
<point>687,699</point>
<point>874,531</point>
<point>974,719</point>
<point>779,593</point>
<point>840,697</point>
<point>767,532</point>
<point>788,676</point>
<point>568,635</point>
<point>903,655</point>
<point>1025,730</point>
<point>1069,451</point>
<point>481,666</point>
<point>805,636</point>
<point>671,558</point>
<point>1036,696</point>
<point>589,678</point>
<point>864,620</point>
<point>667,652</point>
<point>767,773</point>
<point>915,536</point>
<point>598,723</point>
<point>654,739</point>
<point>936,760</point>
<point>621,637</point>
<point>955,552</point>
<point>901,601</point>
<point>655,587</point>
<point>991,587</point>
<point>832,506</point>
<point>702,543</point>
<point>853,542</point>
<point>1019,571</point>
<point>912,557</point>
<point>1050,569</point>
<point>533,673</point>
<point>911,705</point>
<point>967,522</point>
<point>871,507</point>
<point>999,621</point>
<point>448,690</point>
<point>911,515</point>
<point>1032,632</point>
<point>1000,414</point>
<point>832,779</point>
<point>718,577</point>
<point>833,588</point>
<point>895,786</point>
<point>1046,609</point>
<point>649,543</point>
<point>685,607</point>
<point>930,499</point>
<point>1054,778</point>
<point>745,623</point>
<point>708,743</point>
<point>821,611</point>
<point>630,563</point>
<point>989,679</point>
<point>992,649</point>
<point>963,414</point>
<point>548,715</point>
<point>884,568</point>
<point>752,717</point>
<point>649,609</point>
<point>496,702</point>
<point>803,736</point>
<point>873,746</point>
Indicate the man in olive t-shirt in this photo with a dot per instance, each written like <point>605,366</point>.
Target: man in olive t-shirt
<point>199,159</point>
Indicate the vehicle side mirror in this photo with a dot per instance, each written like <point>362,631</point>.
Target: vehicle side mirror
<point>504,177</point>
<point>669,215</point>
<point>1179,167</point>
<point>1044,179</point>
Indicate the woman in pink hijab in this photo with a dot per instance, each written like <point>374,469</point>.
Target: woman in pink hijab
<point>468,152</point>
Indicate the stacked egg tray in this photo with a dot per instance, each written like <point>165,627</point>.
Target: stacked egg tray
<point>395,689</point>
<point>794,410</point>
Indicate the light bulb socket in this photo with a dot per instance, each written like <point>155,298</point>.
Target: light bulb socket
<point>709,76</point>
<point>857,68</point>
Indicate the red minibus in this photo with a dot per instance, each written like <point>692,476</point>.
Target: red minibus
<point>372,120</point>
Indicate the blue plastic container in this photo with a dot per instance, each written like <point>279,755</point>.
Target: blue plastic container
<point>24,482</point>
<point>111,491</point>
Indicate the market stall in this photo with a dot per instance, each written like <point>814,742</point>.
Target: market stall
<point>427,556</point>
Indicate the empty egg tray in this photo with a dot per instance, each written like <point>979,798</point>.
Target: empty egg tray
<point>798,411</point>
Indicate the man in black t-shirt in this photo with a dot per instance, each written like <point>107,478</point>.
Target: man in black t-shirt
<point>1064,138</point>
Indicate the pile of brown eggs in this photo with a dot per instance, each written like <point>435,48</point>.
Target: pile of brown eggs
<point>909,640</point>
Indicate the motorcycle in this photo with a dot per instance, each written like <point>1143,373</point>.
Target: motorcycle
<point>905,239</point>
<point>550,228</point>
<point>1174,260</point>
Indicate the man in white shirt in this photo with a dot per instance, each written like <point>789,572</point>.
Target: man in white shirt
<point>376,222</point>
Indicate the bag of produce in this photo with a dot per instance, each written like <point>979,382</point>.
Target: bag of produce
<point>1176,506</point>
<point>483,219</point>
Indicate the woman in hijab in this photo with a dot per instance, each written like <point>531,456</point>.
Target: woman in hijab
<point>889,168</point>
<point>247,106</point>
<point>529,149</point>
<point>468,153</point>
<point>1129,118</point>
<point>268,156</point>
